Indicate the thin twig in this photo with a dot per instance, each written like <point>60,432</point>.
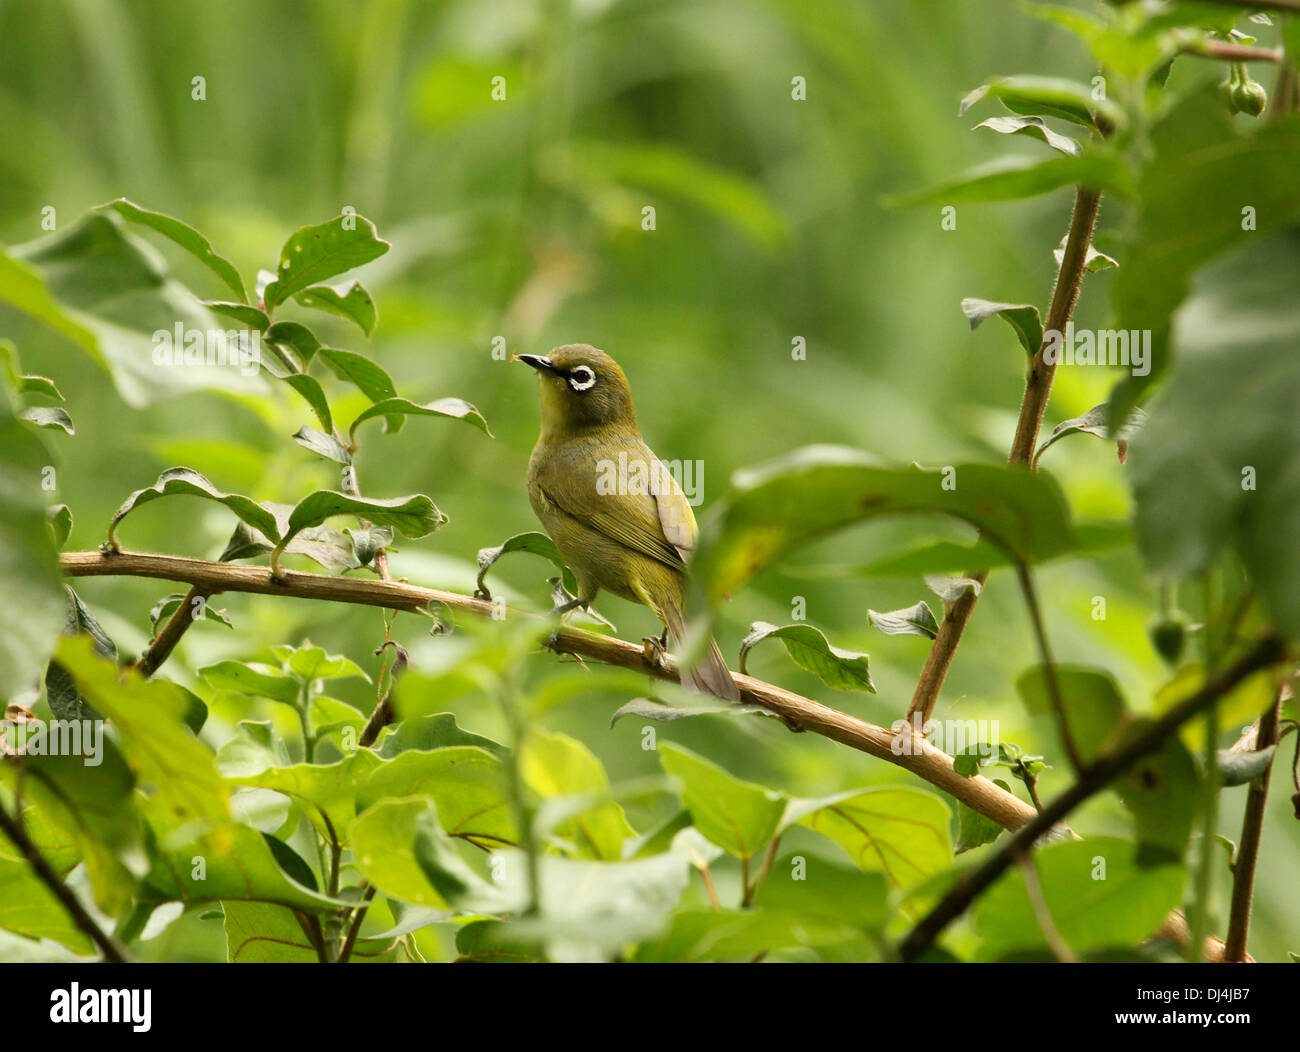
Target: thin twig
<point>177,625</point>
<point>354,929</point>
<point>1051,933</point>
<point>1220,49</point>
<point>1096,778</point>
<point>1049,667</point>
<point>1252,828</point>
<point>13,828</point>
<point>1038,386</point>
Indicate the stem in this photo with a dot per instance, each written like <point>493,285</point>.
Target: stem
<point>354,929</point>
<point>1049,667</point>
<point>1038,386</point>
<point>1034,888</point>
<point>1252,828</point>
<point>1203,885</point>
<point>177,625</point>
<point>914,754</point>
<point>1220,49</point>
<point>13,828</point>
<point>1092,781</point>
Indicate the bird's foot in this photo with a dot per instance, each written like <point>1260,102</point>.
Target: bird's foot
<point>656,653</point>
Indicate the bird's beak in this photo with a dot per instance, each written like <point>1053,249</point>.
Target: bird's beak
<point>539,362</point>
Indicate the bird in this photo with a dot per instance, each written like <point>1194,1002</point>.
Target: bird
<point>617,516</point>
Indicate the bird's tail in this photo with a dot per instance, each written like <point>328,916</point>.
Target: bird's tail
<point>710,675</point>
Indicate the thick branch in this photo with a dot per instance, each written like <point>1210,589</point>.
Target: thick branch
<point>1096,778</point>
<point>915,755</point>
<point>1038,386</point>
<point>1252,828</point>
<point>13,828</point>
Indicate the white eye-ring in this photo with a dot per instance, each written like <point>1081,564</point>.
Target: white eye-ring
<point>582,378</point>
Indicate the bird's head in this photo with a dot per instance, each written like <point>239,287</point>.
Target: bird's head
<point>581,388</point>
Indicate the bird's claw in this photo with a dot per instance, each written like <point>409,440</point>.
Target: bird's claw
<point>656,655</point>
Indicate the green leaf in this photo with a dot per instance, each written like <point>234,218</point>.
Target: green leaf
<point>186,481</point>
<point>249,317</point>
<point>23,288</point>
<point>368,377</point>
<point>48,416</point>
<point>18,381</point>
<point>150,717</point>
<point>1096,422</point>
<point>1093,261</point>
<point>468,783</point>
<point>812,651</point>
<point>974,829</point>
<point>1091,914</point>
<point>247,871</point>
<point>415,516</point>
<point>1214,467</point>
<point>537,544</point>
<point>1034,128</point>
<point>739,817</point>
<point>903,833</point>
<point>300,339</point>
<point>1015,178</point>
<point>435,731</point>
<point>60,517</point>
<point>950,589</point>
<point>384,846</point>
<point>455,408</point>
<point>168,604</point>
<point>1094,706</point>
<point>555,765</point>
<point>29,568</point>
<point>915,620</point>
<point>148,330</point>
<point>310,389</point>
<point>187,237</point>
<point>251,678</point>
<point>30,908</point>
<point>323,445</point>
<point>330,790</point>
<point>1022,317</point>
<point>264,933</point>
<point>1199,156</point>
<point>313,663</point>
<point>650,709</point>
<point>1066,100</point>
<point>349,300</point>
<point>1238,768</point>
<point>317,253</point>
<point>811,492</point>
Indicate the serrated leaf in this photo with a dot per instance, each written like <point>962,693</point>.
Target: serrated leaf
<point>455,408</point>
<point>812,651</point>
<point>349,300</point>
<point>915,620</point>
<point>186,481</point>
<point>1034,128</point>
<point>186,237</point>
<point>317,253</point>
<point>1022,317</point>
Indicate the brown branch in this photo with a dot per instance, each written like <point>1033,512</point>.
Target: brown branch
<point>177,625</point>
<point>1096,778</point>
<point>913,753</point>
<point>1261,5</point>
<point>1038,386</point>
<point>12,826</point>
<point>354,929</point>
<point>1220,49</point>
<point>1252,828</point>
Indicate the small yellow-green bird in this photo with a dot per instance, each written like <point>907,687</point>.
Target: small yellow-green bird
<point>616,514</point>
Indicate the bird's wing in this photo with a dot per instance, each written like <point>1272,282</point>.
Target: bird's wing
<point>659,525</point>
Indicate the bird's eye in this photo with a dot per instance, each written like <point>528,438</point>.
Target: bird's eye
<point>582,378</point>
